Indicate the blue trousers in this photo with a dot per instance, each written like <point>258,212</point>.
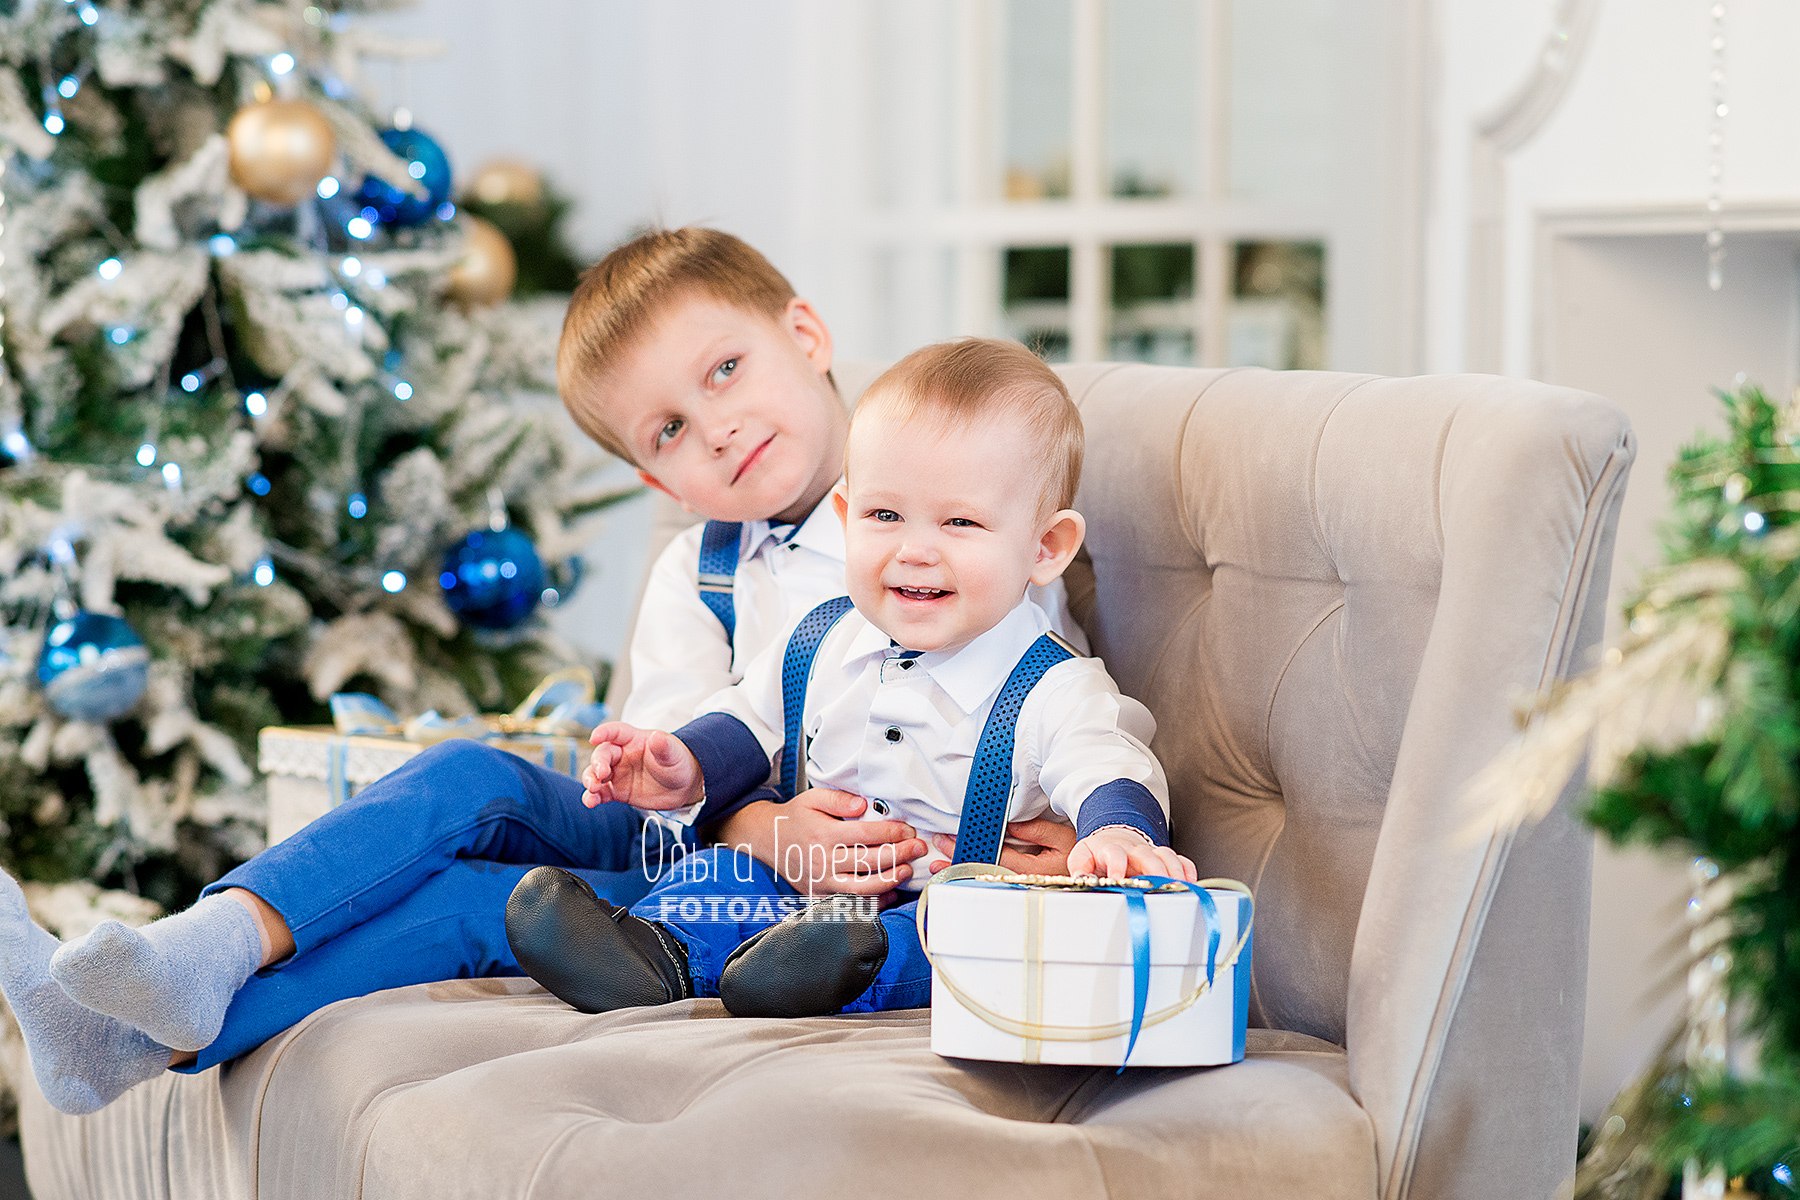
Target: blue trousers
<point>407,882</point>
<point>716,899</point>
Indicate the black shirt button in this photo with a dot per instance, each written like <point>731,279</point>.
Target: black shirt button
<point>906,664</point>
<point>893,733</point>
<point>879,807</point>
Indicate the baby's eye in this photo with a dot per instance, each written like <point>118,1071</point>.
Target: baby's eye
<point>962,523</point>
<point>724,370</point>
<point>885,514</point>
<point>667,433</point>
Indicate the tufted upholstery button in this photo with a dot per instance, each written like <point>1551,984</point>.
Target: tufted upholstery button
<point>893,733</point>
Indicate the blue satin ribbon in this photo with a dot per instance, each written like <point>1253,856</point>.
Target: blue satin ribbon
<point>1137,919</point>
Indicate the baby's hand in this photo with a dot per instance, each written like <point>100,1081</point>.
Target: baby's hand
<point>1118,853</point>
<point>644,768</point>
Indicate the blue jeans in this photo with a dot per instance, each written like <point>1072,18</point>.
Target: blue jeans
<point>407,882</point>
<point>715,900</point>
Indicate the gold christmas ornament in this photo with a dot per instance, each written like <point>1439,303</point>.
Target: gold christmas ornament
<point>280,149</point>
<point>488,268</point>
<point>508,181</point>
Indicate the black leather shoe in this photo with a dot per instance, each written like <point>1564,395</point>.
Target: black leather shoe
<point>811,964</point>
<point>590,954</point>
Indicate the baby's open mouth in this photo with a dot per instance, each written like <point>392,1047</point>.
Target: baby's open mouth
<point>921,594</point>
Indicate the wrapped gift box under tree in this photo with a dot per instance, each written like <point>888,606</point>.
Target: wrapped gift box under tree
<point>313,768</point>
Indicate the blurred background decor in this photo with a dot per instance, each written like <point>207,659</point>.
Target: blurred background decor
<point>258,378</point>
<point>530,214</point>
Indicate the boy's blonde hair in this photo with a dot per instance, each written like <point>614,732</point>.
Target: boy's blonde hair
<point>620,296</point>
<point>957,384</point>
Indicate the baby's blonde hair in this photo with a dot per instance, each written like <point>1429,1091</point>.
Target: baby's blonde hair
<point>958,384</point>
<point>624,293</point>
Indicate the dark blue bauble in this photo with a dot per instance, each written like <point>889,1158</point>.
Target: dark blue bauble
<point>431,167</point>
<point>493,579</point>
<point>94,667</point>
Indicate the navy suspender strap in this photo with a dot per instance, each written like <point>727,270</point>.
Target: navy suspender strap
<point>983,824</point>
<point>719,543</point>
<point>796,669</point>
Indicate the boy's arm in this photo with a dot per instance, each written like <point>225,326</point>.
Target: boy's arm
<point>816,844</point>
<point>735,738</point>
<point>679,652</point>
<point>1091,746</point>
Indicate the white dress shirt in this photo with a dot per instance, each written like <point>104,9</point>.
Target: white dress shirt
<point>903,731</point>
<point>679,652</point>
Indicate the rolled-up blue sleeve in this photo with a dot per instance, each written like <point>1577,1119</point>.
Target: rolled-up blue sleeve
<point>1124,802</point>
<point>732,762</point>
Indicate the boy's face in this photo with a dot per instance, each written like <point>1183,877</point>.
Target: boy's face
<point>729,412</point>
<point>943,530</point>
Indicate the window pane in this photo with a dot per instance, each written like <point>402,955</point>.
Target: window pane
<point>1035,291</point>
<point>1277,316</point>
<point>1292,107</point>
<point>1037,125</point>
<point>1153,315</point>
<point>1152,97</point>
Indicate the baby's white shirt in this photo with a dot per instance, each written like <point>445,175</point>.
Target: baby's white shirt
<point>904,736</point>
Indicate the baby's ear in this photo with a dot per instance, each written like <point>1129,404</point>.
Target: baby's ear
<point>1057,545</point>
<point>840,500</point>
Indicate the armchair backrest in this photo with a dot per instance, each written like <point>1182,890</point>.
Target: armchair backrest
<point>1332,590</point>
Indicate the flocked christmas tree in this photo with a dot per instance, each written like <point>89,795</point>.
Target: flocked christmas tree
<point>260,418</point>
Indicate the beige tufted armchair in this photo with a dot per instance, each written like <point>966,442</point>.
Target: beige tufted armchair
<point>1330,589</point>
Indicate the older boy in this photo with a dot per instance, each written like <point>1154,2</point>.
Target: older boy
<point>962,462</point>
<point>689,354</point>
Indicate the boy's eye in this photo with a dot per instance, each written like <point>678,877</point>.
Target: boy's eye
<point>961,523</point>
<point>724,370</point>
<point>667,433</point>
<point>885,514</point>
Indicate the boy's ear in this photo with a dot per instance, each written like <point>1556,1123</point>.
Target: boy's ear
<point>1057,545</point>
<point>808,329</point>
<point>652,481</point>
<point>840,500</point>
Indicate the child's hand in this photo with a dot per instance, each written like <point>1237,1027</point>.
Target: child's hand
<point>644,768</point>
<point>1050,842</point>
<point>1118,853</point>
<point>822,847</point>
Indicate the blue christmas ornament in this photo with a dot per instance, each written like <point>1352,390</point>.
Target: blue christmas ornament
<point>93,667</point>
<point>492,578</point>
<point>427,163</point>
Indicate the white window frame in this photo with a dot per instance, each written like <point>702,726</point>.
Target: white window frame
<point>978,224</point>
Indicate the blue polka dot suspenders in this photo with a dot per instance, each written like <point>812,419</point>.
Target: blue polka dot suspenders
<point>719,543</point>
<point>983,821</point>
<point>796,670</point>
<point>990,786</point>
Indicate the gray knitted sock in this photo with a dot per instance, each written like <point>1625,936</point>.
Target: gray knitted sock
<point>174,978</point>
<point>83,1060</point>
